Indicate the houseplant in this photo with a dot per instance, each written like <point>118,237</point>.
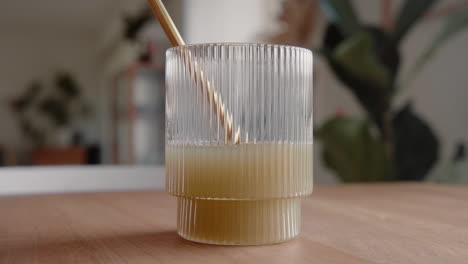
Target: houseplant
<point>44,113</point>
<point>388,143</point>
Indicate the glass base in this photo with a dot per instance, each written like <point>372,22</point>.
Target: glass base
<point>238,222</point>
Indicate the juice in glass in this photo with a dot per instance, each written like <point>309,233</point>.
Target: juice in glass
<point>246,192</point>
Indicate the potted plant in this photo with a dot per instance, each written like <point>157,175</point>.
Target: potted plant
<point>389,142</point>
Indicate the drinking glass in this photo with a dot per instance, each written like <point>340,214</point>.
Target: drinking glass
<point>239,140</point>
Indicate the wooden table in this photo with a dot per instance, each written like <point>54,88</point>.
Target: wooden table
<point>386,223</point>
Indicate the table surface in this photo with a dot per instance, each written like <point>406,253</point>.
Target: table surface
<point>377,223</point>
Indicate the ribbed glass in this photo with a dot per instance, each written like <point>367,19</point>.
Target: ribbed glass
<point>239,222</point>
<point>238,140</point>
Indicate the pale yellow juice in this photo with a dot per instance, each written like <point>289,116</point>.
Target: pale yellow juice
<point>239,194</point>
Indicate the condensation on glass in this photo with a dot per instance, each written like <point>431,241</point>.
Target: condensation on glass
<point>248,192</point>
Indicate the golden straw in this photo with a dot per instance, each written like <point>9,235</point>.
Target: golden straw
<point>218,107</point>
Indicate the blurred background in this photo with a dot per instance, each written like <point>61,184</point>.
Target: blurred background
<point>82,82</point>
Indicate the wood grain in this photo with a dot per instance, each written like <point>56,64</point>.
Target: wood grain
<point>388,223</point>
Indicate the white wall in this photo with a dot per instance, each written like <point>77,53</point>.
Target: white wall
<point>35,53</point>
<point>226,20</point>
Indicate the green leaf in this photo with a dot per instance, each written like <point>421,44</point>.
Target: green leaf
<point>357,56</point>
<point>342,13</point>
<point>416,145</point>
<point>365,65</point>
<point>24,101</point>
<point>55,110</point>
<point>66,85</point>
<point>352,152</point>
<point>356,63</point>
<point>410,12</point>
<point>453,25</point>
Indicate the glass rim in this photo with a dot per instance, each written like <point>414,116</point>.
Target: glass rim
<point>248,44</point>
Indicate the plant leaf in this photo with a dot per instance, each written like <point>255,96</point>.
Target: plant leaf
<point>356,63</point>
<point>416,145</point>
<point>352,152</point>
<point>342,13</point>
<point>357,56</point>
<point>21,103</point>
<point>410,12</point>
<point>56,110</point>
<point>66,85</point>
<point>453,24</point>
